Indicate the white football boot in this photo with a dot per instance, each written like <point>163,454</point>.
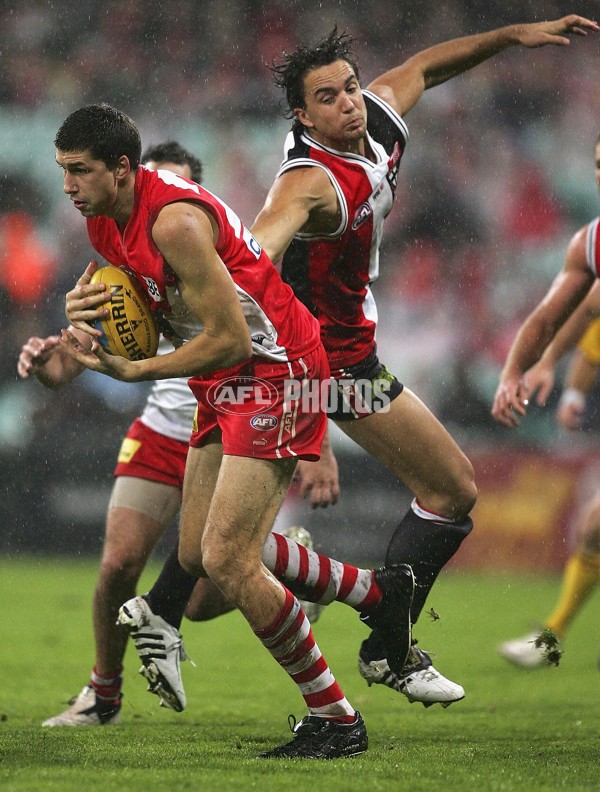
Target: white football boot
<point>298,533</point>
<point>86,711</point>
<point>523,652</point>
<point>160,648</point>
<point>419,681</point>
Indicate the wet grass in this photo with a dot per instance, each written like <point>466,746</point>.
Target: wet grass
<point>515,730</point>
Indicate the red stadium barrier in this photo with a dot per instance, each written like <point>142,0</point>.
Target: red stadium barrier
<point>529,507</point>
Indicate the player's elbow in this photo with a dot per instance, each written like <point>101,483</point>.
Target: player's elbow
<point>237,349</point>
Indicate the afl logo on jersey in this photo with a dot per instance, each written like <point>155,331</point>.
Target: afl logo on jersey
<point>264,422</point>
<point>363,213</point>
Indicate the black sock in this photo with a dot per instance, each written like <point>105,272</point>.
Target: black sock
<point>172,590</point>
<point>427,546</point>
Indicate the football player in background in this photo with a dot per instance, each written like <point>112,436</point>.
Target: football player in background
<point>552,328</point>
<point>582,570</point>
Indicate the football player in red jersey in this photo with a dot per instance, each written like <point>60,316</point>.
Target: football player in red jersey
<point>247,338</point>
<point>145,498</point>
<point>323,218</point>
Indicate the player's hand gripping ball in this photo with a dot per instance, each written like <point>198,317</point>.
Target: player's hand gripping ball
<point>130,330</point>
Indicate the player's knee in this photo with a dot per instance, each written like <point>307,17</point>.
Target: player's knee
<point>468,496</point>
<point>457,502</point>
<point>228,568</point>
<point>120,570</point>
<point>190,561</point>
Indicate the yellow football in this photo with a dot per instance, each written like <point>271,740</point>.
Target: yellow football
<point>130,330</point>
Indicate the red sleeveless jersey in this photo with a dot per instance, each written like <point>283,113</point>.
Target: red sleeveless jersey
<point>332,274</point>
<point>281,328</point>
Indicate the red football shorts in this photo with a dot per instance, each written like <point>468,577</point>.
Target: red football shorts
<point>261,408</point>
<point>146,454</point>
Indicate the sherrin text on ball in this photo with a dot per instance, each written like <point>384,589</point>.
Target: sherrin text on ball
<point>130,329</point>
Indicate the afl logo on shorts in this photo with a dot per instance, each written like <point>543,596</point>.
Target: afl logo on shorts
<point>264,422</point>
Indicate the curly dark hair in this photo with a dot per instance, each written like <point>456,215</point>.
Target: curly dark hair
<point>290,72</point>
<point>171,151</point>
<point>104,131</point>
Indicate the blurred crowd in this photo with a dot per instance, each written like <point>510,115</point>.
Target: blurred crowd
<point>498,174</point>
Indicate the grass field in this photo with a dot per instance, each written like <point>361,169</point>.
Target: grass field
<point>515,730</point>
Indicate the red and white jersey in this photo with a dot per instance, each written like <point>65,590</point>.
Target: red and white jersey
<point>592,247</point>
<point>171,405</point>
<point>332,274</point>
<point>281,328</point>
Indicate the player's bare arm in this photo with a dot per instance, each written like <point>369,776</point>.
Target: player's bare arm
<point>571,332</point>
<point>184,235</point>
<point>302,199</point>
<point>569,288</point>
<point>403,86</point>
<point>540,377</point>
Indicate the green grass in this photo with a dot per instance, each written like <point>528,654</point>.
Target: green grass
<point>515,730</point>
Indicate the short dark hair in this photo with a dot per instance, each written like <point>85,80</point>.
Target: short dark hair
<point>104,131</point>
<point>171,151</point>
<point>290,72</point>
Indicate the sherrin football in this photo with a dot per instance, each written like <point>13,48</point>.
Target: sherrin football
<point>130,330</point>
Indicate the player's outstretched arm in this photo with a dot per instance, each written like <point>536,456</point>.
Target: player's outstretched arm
<point>573,329</point>
<point>403,86</point>
<point>296,199</point>
<point>569,288</point>
<point>541,376</point>
<point>44,359</point>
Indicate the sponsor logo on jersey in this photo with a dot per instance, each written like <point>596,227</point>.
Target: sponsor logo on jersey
<point>377,191</point>
<point>153,289</point>
<point>364,211</point>
<point>264,422</point>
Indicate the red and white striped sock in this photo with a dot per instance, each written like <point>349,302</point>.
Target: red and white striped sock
<point>108,686</point>
<point>290,640</point>
<point>318,578</point>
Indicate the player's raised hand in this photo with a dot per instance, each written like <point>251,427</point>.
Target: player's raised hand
<point>538,34</point>
<point>83,304</point>
<point>35,353</point>
<point>510,402</point>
